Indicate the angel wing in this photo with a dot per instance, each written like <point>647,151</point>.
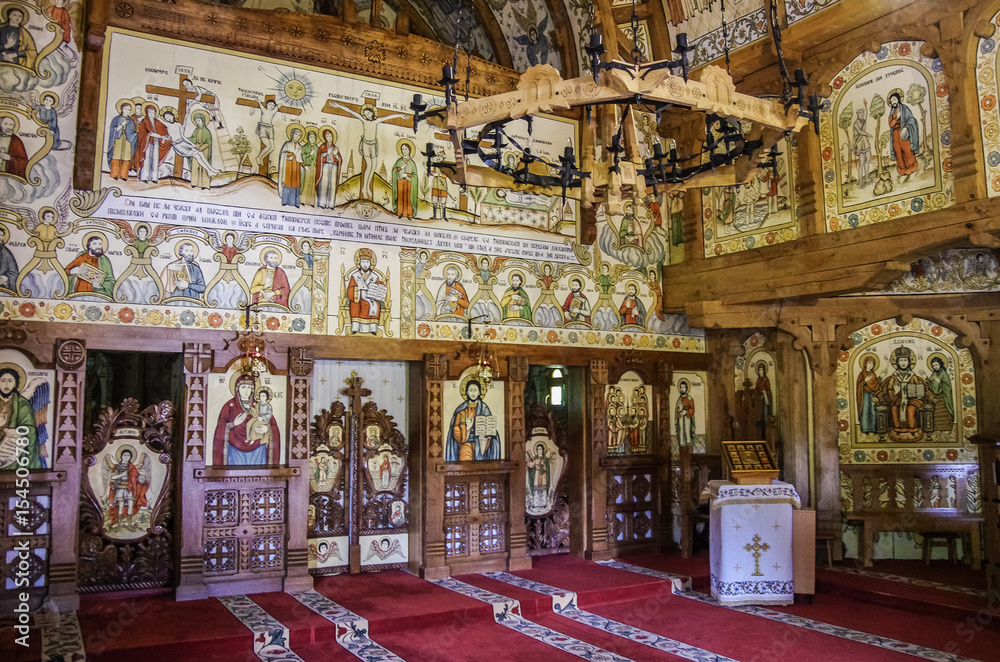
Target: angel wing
<point>214,239</point>
<point>68,101</point>
<point>36,392</point>
<point>525,21</point>
<point>29,221</point>
<point>63,209</point>
<point>145,467</point>
<point>107,468</point>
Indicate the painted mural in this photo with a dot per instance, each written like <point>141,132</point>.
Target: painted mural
<point>528,28</point>
<point>955,270</point>
<point>688,399</point>
<point>906,394</point>
<point>475,428</point>
<point>759,213</point>
<point>26,413</point>
<point>989,113</point>
<point>545,466</point>
<point>247,419</point>
<point>128,479</point>
<point>885,135</point>
<point>630,416</point>
<point>796,10</point>
<point>758,369</point>
<point>746,22</point>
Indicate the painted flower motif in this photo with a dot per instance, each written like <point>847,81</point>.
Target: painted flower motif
<point>92,313</point>
<point>877,329</point>
<point>591,338</point>
<point>893,209</point>
<point>718,247</point>
<point>627,340</point>
<point>708,213</point>
<point>916,204</point>
<point>928,455</point>
<point>968,401</point>
<point>423,331</point>
<point>829,176</point>
<point>490,333</point>
<point>842,403</point>
<point>27,309</point>
<point>298,324</point>
<point>942,90</point>
<point>936,65</point>
<point>881,456</point>
<point>573,337</point>
<point>946,165</point>
<point>936,330</point>
<point>838,83</point>
<point>967,379</point>
<point>769,238</point>
<point>187,318</point>
<point>993,159</point>
<point>859,456</point>
<point>750,242</point>
<point>951,454</point>
<point>215,320</point>
<point>883,53</point>
<point>511,335</point>
<point>904,49</point>
<point>843,425</point>
<point>126,315</point>
<point>827,153</point>
<point>853,220</point>
<point>677,343</point>
<point>661,341</point>
<point>644,341</point>
<point>969,422</point>
<point>834,224</point>
<point>154,317</point>
<point>445,331</point>
<point>857,338</point>
<point>709,235</point>
<point>609,339</point>
<point>63,311</point>
<point>991,131</point>
<point>532,335</point>
<point>552,336</point>
<point>946,138</point>
<point>844,356</point>
<point>272,323</point>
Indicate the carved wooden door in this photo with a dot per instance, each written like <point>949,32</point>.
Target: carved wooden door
<point>359,508</point>
<point>126,534</point>
<point>546,510</point>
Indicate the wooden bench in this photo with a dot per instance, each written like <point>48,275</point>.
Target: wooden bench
<point>919,498</point>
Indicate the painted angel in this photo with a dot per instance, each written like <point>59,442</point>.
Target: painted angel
<point>127,486</point>
<point>484,304</point>
<point>43,277</point>
<point>50,109</point>
<point>324,551</point>
<point>23,404</point>
<point>384,548</point>
<point>605,315</point>
<point>139,283</point>
<point>534,41</point>
<point>228,289</point>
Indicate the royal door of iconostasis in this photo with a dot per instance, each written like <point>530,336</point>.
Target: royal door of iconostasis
<point>358,473</point>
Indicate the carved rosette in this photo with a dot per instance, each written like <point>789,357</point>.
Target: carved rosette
<point>71,357</point>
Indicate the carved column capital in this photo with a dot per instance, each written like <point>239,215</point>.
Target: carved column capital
<point>197,357</point>
<point>517,368</point>
<point>436,366</point>
<point>599,372</point>
<point>300,361</point>
<point>70,354</point>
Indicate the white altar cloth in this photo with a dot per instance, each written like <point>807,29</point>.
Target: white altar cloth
<point>751,543</point>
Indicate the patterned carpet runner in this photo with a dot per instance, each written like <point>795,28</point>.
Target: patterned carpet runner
<point>270,636</point>
<point>682,587</point>
<point>507,612</point>
<point>61,636</point>
<point>912,581</point>
<point>564,603</point>
<point>352,630</point>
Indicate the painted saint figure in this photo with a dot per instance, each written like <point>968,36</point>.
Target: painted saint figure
<point>19,406</point>
<point>310,148</point>
<point>452,299</point>
<point>13,156</point>
<point>201,138</point>
<point>684,425</point>
<point>404,183</point>
<point>154,143</point>
<point>904,391</point>
<point>328,162</point>
<point>472,432</point>
<point>576,308</point>
<point>539,476</point>
<point>763,388</point>
<point>123,140</point>
<point>515,303</point>
<point>368,146</point>
<point>866,393</point>
<point>862,145</point>
<point>17,46</point>
<point>183,277</point>
<point>632,310</point>
<point>235,443</point>
<point>91,270</point>
<point>127,487</point>
<point>270,284</point>
<point>905,136</point>
<point>366,292</point>
<point>939,384</point>
<point>8,265</point>
<point>290,167</point>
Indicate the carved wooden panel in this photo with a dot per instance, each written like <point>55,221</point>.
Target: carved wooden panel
<point>546,496</point>
<point>385,504</point>
<point>327,527</point>
<point>476,513</point>
<point>632,506</point>
<point>244,530</point>
<point>126,533</point>
<point>25,544</point>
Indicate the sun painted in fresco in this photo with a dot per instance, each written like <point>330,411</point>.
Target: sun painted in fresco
<point>292,88</point>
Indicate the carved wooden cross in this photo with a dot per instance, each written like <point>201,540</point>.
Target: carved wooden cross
<point>354,392</point>
<point>183,95</point>
<point>255,103</point>
<point>756,548</point>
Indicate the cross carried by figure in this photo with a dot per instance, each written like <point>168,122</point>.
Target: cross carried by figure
<point>183,95</point>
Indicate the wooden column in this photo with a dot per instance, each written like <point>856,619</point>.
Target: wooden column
<point>665,524</point>
<point>517,375</point>
<point>433,565</point>
<point>71,366</point>
<point>597,523</point>
<point>300,365</point>
<point>197,364</point>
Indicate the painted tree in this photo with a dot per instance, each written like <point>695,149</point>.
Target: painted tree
<point>916,95</point>
<point>877,110</point>
<point>846,115</point>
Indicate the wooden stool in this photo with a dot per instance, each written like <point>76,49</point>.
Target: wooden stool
<point>934,539</point>
<point>828,539</point>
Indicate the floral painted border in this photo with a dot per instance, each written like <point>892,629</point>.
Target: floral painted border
<point>768,236</point>
<point>796,10</point>
<point>352,630</point>
<point>903,52</point>
<point>742,32</point>
<point>271,636</point>
<point>989,113</point>
<point>902,454</point>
